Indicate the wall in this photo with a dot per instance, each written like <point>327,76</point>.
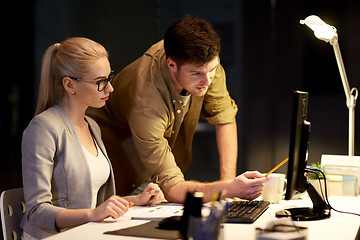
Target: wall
<point>266,52</point>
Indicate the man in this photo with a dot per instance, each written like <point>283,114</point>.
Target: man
<point>150,119</point>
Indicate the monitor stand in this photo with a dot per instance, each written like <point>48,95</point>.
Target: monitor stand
<point>320,209</point>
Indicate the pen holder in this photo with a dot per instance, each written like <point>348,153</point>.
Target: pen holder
<point>201,229</point>
<point>192,208</point>
<point>211,227</point>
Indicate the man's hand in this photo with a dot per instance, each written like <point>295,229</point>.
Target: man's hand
<point>248,185</point>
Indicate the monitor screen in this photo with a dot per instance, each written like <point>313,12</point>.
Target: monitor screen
<point>296,180</point>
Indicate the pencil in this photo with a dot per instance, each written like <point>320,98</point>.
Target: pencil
<point>277,166</point>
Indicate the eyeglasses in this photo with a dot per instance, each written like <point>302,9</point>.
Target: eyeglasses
<point>101,83</point>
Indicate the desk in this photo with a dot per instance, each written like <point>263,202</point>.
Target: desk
<point>338,226</point>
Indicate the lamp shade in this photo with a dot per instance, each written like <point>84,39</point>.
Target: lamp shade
<point>321,30</point>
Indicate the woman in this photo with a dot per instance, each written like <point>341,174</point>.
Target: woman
<point>67,176</point>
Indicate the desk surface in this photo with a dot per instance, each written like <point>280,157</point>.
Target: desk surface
<point>338,226</point>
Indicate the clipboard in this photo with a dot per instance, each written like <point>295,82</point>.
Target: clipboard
<point>147,230</point>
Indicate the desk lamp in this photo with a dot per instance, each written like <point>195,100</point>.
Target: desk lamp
<point>336,164</point>
<point>328,33</point>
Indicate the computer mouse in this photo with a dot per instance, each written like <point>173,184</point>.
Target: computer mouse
<point>170,223</point>
<point>283,213</point>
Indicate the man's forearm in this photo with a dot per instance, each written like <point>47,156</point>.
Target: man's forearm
<point>226,137</point>
<point>247,185</point>
<point>178,192</point>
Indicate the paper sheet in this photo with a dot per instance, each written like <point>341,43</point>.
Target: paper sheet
<point>155,212</point>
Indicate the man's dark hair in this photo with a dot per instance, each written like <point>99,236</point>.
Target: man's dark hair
<point>191,40</point>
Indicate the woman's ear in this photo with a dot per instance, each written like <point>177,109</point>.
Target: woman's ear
<point>68,85</point>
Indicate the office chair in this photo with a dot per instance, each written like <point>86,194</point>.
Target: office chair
<point>12,207</point>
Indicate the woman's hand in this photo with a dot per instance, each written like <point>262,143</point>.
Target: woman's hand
<point>151,195</point>
<point>113,207</point>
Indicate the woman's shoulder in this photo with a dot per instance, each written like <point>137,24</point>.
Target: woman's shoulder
<point>51,114</point>
<point>52,118</point>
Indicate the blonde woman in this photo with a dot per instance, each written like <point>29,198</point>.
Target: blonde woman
<point>67,176</point>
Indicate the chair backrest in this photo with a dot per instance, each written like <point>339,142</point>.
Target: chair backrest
<point>12,207</point>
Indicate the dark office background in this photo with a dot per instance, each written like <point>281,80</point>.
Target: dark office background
<point>266,52</point>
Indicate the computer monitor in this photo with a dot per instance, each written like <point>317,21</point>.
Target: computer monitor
<point>298,154</point>
<point>299,138</point>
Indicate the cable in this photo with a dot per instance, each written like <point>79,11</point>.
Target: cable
<point>316,171</point>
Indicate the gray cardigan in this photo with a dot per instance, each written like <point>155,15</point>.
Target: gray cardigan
<point>55,171</point>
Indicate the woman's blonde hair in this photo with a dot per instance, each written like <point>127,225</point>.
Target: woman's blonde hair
<point>71,58</point>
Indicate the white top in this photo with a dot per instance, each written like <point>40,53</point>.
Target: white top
<point>99,171</point>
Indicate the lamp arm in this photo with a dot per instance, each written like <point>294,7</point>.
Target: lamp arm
<point>341,67</point>
<point>351,95</point>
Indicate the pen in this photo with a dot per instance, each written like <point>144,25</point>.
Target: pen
<point>277,166</point>
<point>150,202</point>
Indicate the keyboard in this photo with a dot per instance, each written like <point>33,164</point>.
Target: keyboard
<point>246,211</point>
